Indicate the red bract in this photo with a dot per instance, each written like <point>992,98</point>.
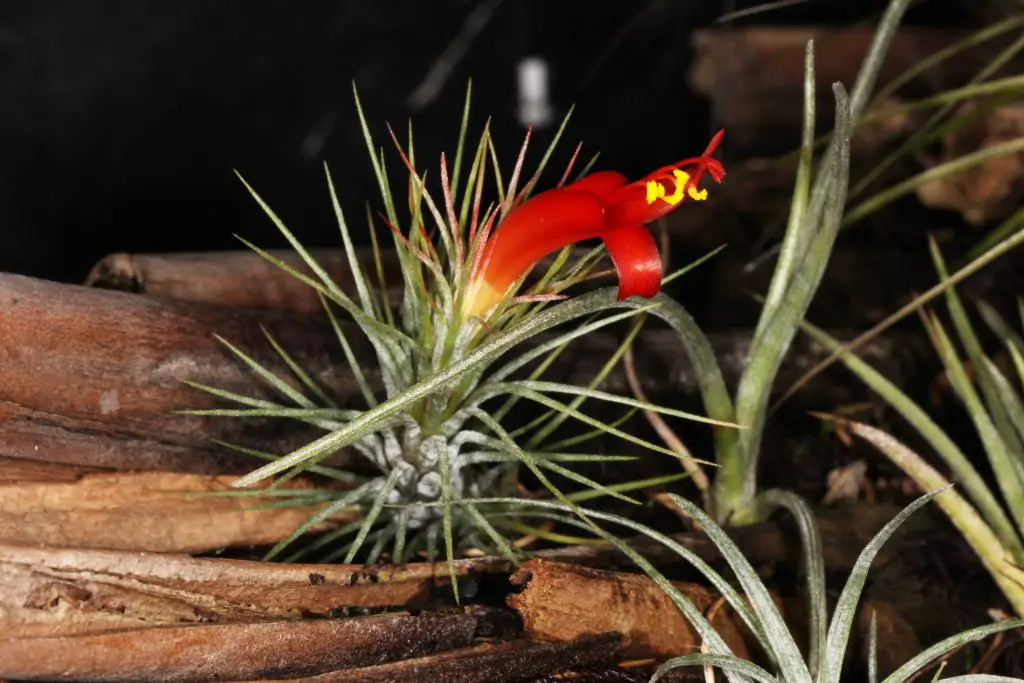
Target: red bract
<point>603,205</point>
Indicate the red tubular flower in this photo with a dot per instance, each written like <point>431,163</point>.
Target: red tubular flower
<point>603,205</point>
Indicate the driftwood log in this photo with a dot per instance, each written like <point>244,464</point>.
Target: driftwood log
<point>93,377</point>
<point>235,278</point>
<point>114,616</point>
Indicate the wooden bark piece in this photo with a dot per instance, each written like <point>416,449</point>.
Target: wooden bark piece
<point>562,602</point>
<point>93,377</point>
<point>233,278</point>
<point>61,592</point>
<point>992,189</point>
<point>741,69</point>
<point>17,470</point>
<point>228,652</point>
<point>519,660</point>
<point>149,511</point>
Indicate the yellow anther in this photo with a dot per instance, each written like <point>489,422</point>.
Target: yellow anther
<point>698,196</point>
<point>656,191</point>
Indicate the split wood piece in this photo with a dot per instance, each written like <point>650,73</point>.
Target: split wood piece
<point>230,652</point>
<point>144,511</point>
<point>562,602</point>
<point>57,592</point>
<point>244,278</point>
<point>513,661</point>
<point>740,68</point>
<point>17,470</point>
<point>94,377</point>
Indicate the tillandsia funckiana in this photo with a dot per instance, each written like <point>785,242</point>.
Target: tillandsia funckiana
<point>435,436</point>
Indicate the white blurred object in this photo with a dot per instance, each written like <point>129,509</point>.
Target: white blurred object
<point>534,106</point>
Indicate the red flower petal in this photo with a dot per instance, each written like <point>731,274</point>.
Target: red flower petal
<point>630,207</point>
<point>538,227</point>
<point>602,204</point>
<point>602,184</point>
<point>636,259</point>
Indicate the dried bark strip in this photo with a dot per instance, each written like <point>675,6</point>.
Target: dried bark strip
<point>562,602</point>
<point>518,660</point>
<point>94,377</point>
<point>227,652</point>
<point>143,511</point>
<point>234,278</point>
<point>57,592</point>
<point>16,470</point>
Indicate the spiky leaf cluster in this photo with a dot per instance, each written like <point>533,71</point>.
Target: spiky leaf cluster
<point>432,432</point>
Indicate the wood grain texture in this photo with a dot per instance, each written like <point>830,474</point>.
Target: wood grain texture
<point>145,511</point>
<point>231,652</point>
<point>60,592</point>
<point>93,377</point>
<point>561,602</point>
<point>513,661</point>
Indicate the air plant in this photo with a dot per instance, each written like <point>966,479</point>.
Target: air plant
<point>992,523</point>
<point>829,639</point>
<point>818,213</point>
<point>433,432</point>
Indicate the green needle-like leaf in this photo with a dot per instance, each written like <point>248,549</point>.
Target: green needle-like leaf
<point>267,376</point>
<point>846,607</point>
<point>726,663</point>
<point>639,484</point>
<point>358,277</point>
<point>350,358</point>
<point>910,670</point>
<point>346,500</point>
<point>963,470</point>
<point>814,569</point>
<point>553,424</point>
<point>372,514</point>
<point>297,370</point>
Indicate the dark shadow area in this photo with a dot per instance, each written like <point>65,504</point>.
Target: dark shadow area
<point>122,120</point>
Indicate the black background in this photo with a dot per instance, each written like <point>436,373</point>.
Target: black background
<point>121,120</point>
